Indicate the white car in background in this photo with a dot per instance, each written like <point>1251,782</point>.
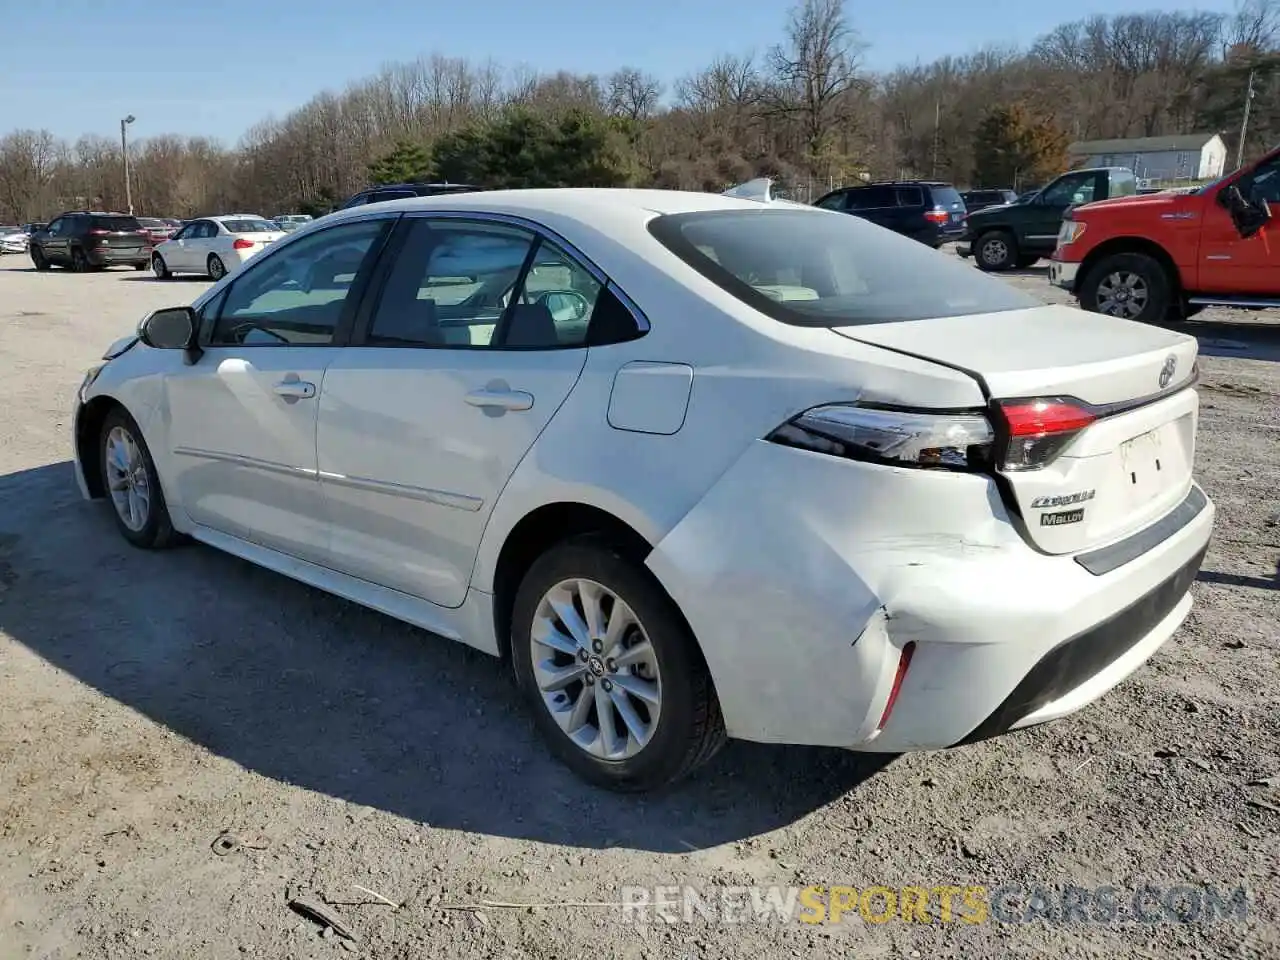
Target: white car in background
<point>214,246</point>
<point>697,465</point>
<point>13,239</point>
<point>290,222</point>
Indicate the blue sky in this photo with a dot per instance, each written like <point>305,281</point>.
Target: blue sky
<point>215,69</point>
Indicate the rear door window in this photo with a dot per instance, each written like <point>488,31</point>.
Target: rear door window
<point>872,198</point>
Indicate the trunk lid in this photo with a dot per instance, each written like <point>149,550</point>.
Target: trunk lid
<point>1116,475</point>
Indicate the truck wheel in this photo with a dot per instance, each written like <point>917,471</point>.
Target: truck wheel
<point>1131,286</point>
<point>997,250</point>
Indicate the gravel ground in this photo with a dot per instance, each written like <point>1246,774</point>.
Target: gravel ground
<point>151,703</point>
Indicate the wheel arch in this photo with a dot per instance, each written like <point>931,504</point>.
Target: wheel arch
<point>538,531</point>
<point>1127,244</point>
<point>88,430</point>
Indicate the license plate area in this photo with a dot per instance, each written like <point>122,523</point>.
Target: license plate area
<point>1150,464</point>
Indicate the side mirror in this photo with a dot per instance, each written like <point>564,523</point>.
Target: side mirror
<point>173,328</point>
<point>1248,217</point>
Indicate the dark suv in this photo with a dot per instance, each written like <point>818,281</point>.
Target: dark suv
<point>975,200</point>
<point>86,240</point>
<point>402,191</point>
<point>924,210</point>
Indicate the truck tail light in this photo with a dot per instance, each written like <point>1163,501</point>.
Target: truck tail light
<point>937,216</point>
<point>1039,429</point>
<point>928,439</point>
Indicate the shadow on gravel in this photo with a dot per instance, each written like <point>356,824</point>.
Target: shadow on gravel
<point>1238,339</point>
<point>176,278</point>
<point>1239,580</point>
<point>311,690</point>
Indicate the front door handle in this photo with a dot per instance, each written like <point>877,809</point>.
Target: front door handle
<point>500,399</point>
<point>294,390</point>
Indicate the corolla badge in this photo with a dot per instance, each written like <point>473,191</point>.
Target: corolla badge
<point>1168,370</point>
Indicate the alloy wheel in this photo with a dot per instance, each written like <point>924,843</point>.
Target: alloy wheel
<point>995,251</point>
<point>127,479</point>
<point>1123,294</point>
<point>596,669</point>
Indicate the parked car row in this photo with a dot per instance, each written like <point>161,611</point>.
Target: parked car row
<point>16,239</point>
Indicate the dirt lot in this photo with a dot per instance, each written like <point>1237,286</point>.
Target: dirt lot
<point>150,703</point>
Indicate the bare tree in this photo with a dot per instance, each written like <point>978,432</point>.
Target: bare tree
<point>632,95</point>
<point>28,160</point>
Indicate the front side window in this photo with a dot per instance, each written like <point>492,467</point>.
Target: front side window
<point>811,270</point>
<point>1264,183</point>
<point>835,201</point>
<point>56,227</point>
<point>1077,188</point>
<point>298,295</point>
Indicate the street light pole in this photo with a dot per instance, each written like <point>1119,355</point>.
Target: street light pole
<point>124,152</point>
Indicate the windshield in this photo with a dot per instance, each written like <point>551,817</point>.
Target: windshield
<point>816,268</point>
<point>151,223</point>
<point>251,226</point>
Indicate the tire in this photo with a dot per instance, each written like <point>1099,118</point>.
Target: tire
<point>687,728</point>
<point>160,268</point>
<point>1130,286</point>
<point>995,251</point>
<point>39,259</point>
<point>79,262</point>
<point>216,268</point>
<point>142,520</point>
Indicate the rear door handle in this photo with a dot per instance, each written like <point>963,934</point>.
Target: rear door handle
<point>295,390</point>
<point>500,399</point>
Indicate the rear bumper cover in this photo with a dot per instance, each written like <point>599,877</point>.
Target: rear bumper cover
<point>802,612</point>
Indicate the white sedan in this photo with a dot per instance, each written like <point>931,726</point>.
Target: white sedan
<point>697,465</point>
<point>214,246</point>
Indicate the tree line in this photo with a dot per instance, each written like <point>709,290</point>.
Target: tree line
<point>806,111</point>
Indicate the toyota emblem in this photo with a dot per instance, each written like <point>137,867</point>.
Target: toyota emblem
<point>1167,371</point>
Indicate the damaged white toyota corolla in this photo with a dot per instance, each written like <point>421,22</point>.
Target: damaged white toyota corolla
<point>698,465</point>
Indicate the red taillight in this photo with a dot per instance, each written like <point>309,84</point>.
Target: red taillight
<point>1039,429</point>
<point>936,216</point>
<point>904,661</point>
<point>243,244</point>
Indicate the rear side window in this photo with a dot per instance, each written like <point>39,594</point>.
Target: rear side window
<point>910,197</point>
<point>872,198</point>
<point>115,223</point>
<point>383,195</point>
<point>819,271</point>
<point>948,198</point>
<point>249,225</point>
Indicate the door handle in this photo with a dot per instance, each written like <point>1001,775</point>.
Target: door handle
<point>500,399</point>
<point>295,390</point>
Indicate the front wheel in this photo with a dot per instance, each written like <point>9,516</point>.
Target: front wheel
<point>1130,286</point>
<point>39,259</point>
<point>160,268</point>
<point>130,480</point>
<point>217,269</point>
<point>610,670</point>
<point>997,250</point>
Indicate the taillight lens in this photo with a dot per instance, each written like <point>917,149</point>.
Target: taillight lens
<point>904,662</point>
<point>243,244</point>
<point>937,216</point>
<point>1039,429</point>
<point>902,438</point>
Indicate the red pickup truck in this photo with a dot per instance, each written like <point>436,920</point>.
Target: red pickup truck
<point>1166,256</point>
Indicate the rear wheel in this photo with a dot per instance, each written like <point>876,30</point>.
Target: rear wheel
<point>610,670</point>
<point>39,259</point>
<point>1131,286</point>
<point>997,250</point>
<point>217,269</point>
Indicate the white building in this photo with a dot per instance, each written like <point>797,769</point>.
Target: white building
<point>1192,156</point>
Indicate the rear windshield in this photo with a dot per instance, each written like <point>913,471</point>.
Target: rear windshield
<point>251,226</point>
<point>116,223</point>
<point>947,197</point>
<point>822,269</point>
<point>149,222</point>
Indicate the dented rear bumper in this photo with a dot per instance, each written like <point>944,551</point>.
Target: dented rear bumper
<point>803,612</point>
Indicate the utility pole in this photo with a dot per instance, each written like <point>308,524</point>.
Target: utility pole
<point>937,122</point>
<point>124,152</point>
<point>1244,124</point>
